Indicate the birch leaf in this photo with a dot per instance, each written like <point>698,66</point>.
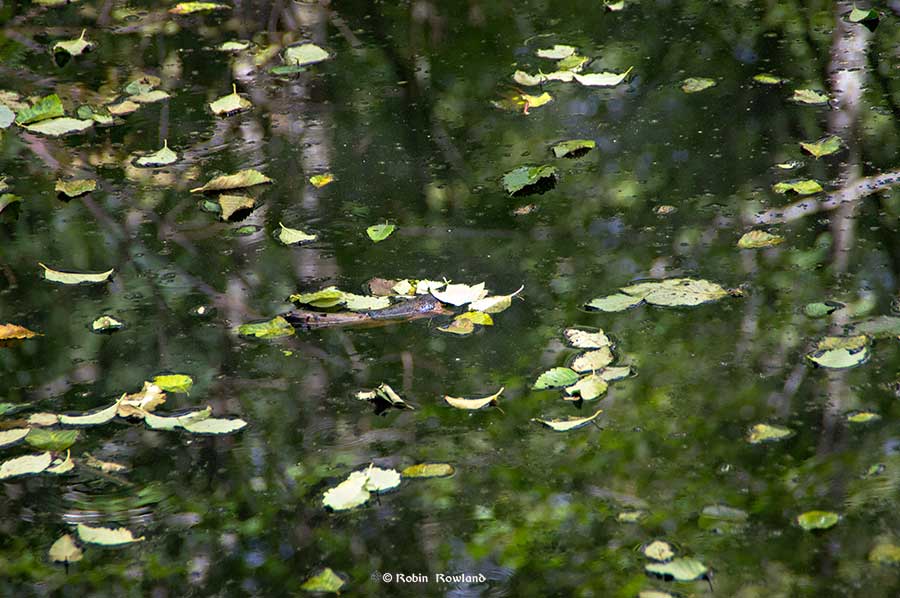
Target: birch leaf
<point>25,465</point>
<point>106,536</point>
<point>823,147</point>
<point>106,324</point>
<point>235,206</point>
<point>349,494</point>
<point>680,569</point>
<point>756,239</point>
<point>593,361</point>
<point>428,470</point>
<point>91,418</point>
<point>305,54</point>
<point>557,52</point>
<point>215,425</point>
<point>61,465</point>
<point>150,97</point>
<point>605,79</point>
<point>64,550</point>
<point>459,327</point>
<point>805,187</point>
<point>58,127</point>
<point>614,303</point>
<point>568,423</point>
<point>809,96</point>
<point>556,378</point>
<point>171,422</point>
<point>380,232</point>
<point>816,520</point>
<point>525,178</point>
<point>762,433</point>
<point>75,187</point>
<point>460,294</point>
<point>658,550</point>
<point>189,8</point>
<point>238,180</point>
<point>74,277</point>
<point>573,148</point>
<point>474,404</point>
<point>697,84</point>
<point>274,328</point>
<point>320,180</point>
<point>138,404</point>
<point>51,440</point>
<point>180,383</point>
<point>13,436</point>
<point>74,47</point>
<point>230,104</point>
<point>161,157</point>
<point>588,388</point>
<point>122,108</point>
<point>584,339</point>
<point>46,108</point>
<point>840,352</point>
<point>495,303</point>
<point>325,581</point>
<point>768,79</point>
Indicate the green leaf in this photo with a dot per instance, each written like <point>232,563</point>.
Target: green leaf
<point>805,187</point>
<point>235,206</point>
<point>327,297</point>
<point>696,84</point>
<point>837,352</point>
<point>74,277</point>
<point>604,79</point>
<point>761,433</point>
<point>162,157</point>
<point>476,317</point>
<point>64,550</point>
<point>495,303</point>
<point>91,418</point>
<point>789,165</point>
<point>188,8</point>
<point>233,46</point>
<point>522,101</point>
<point>74,47</point>
<point>756,239</point>
<point>567,424</point>
<point>658,550</point>
<point>75,187</point>
<point>813,520</point>
<point>305,54</point>
<point>474,404</point>
<point>380,232</point>
<point>862,417</point>
<point>588,388</point>
<point>25,465</point>
<point>106,536</point>
<point>823,147</point>
<point>592,361</point>
<point>238,180</point>
<point>174,383</point>
<point>556,378</point>
<point>768,79</point>
<point>290,236</point>
<point>214,425</point>
<point>573,63</point>
<point>573,148</point>
<point>614,6</point>
<point>672,292</point>
<point>520,179</point>
<point>13,436</point>
<point>614,303</point>
<point>275,328</point>
<point>611,374</point>
<point>58,127</point>
<point>320,180</point>
<point>428,470</point>
<point>230,104</point>
<point>557,52</point>
<point>325,581</point>
<point>864,16</point>
<point>810,96</point>
<point>822,309</point>
<point>680,569</point>
<point>51,440</point>
<point>46,108</point>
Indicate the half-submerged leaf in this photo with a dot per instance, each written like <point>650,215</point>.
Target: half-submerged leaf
<point>675,292</point>
<point>680,569</point>
<point>526,179</point>
<point>57,127</point>
<point>838,352</point>
<point>162,157</point>
<point>238,180</point>
<point>305,54</point>
<point>15,332</point>
<point>428,470</point>
<point>820,309</point>
<point>813,520</point>
<point>805,187</point>
<point>810,96</point>
<point>495,303</point>
<point>172,422</point>
<point>459,327</point>
<point>756,239</point>
<point>106,536</point>
<point>380,232</point>
<point>385,395</point>
<point>75,187</point>
<point>274,328</point>
<point>867,17</point>
<point>568,423</point>
<point>573,148</point>
<point>25,465</point>
<point>74,277</point>
<point>823,147</point>
<point>230,104</point>
<point>474,404</point>
<point>696,84</point>
<point>325,581</point>
<point>605,79</point>
<point>556,378</point>
<point>64,550</point>
<point>460,294</point>
<point>762,433</point>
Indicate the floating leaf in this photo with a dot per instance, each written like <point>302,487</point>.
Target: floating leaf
<point>613,303</point>
<point>822,309</point>
<point>428,470</point>
<point>14,331</point>
<point>274,328</point>
<point>789,165</point>
<point>286,69</point>
<point>106,324</point>
<point>172,422</point>
<point>8,199</point>
<point>188,8</point>
<point>722,518</point>
<point>573,148</point>
<point>680,569</point>
<point>885,553</point>
<point>25,465</point>
<point>473,404</point>
<point>51,440</point>
<point>64,550</point>
<point>862,417</point>
<point>325,581</point>
<point>523,78</point>
<point>823,147</point>
<point>460,327</point>
<point>233,46</point>
<point>42,419</point>
<point>162,157</point>
<point>567,424</point>
<point>813,520</point>
<point>305,54</point>
<point>630,516</point>
<point>605,79</point>
<point>809,96</point>
<point>150,97</point>
<point>761,433</point>
<point>75,187</point>
<point>756,239</point>
<point>355,302</point>
<point>235,205</point>
<point>573,63</point>
<point>768,79</point>
<point>140,403</point>
<point>556,378</point>
<point>696,84</point>
<point>385,394</point>
<point>327,297</point>
<point>91,418</point>
<point>495,303</point>
<point>523,102</point>
<point>476,317</point>
<point>460,294</point>
<point>61,465</point>
<point>238,180</point>
<point>214,425</point>
<point>320,180</point>
<point>142,84</point>
<point>584,339</point>
<point>106,536</point>
<point>74,47</point>
<point>7,116</point>
<point>122,108</point>
<point>806,187</point>
<point>46,108</point>
<point>526,178</point>
<point>105,466</point>
<point>864,16</point>
<point>349,494</point>
<point>592,360</point>
<point>614,6</point>
<point>672,292</point>
<point>557,52</point>
<point>840,352</point>
<point>658,550</point>
<point>57,127</point>
<point>230,104</point>
<point>379,480</point>
<point>13,436</point>
<point>615,373</point>
<point>380,232</point>
<point>588,388</point>
<point>74,277</point>
<point>174,383</point>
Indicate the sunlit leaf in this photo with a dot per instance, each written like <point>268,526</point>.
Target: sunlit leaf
<point>611,374</point>
<point>495,303</point>
<point>428,470</point>
<point>230,104</point>
<point>74,277</point>
<point>385,394</point>
<point>476,317</point>
<point>75,187</point>
<point>215,425</point>
<point>61,465</point>
<point>556,378</point>
<point>768,79</point>
<point>680,569</point>
<point>320,180</point>
<point>380,480</point>
<point>862,417</point>
<point>7,116</point>
<point>25,465</point>
<point>696,84</point>
<point>91,418</point>
<point>523,78</point>
<point>235,206</point>
<point>64,550</point>
<point>161,157</point>
<point>525,177</point>
<point>573,148</point>
<point>275,328</point>
<point>74,47</point>
<point>613,303</point>
<point>522,102</point>
<point>233,46</point>
<point>305,54</point>
<point>48,107</point>
<point>349,494</point>
<point>864,16</point>
<point>122,108</point>
<point>57,127</point>
<point>43,419</point>
<point>51,440</point>
<point>172,422</point>
<point>14,331</point>
<point>588,388</point>
<point>13,436</point>
<point>106,324</point>
<point>138,404</point>
<point>459,327</point>
<point>327,297</point>
<point>805,187</point>
<point>761,433</point>
<point>181,383</point>
<point>557,52</point>
<point>823,147</point>
<point>756,239</point>
<point>592,361</point>
<point>658,550</point>
<point>325,581</point>
<point>585,339</point>
<point>355,302</point>
<point>672,292</point>
<point>474,404</point>
<point>460,294</point>
<point>810,96</point>
<point>106,536</point>
<point>840,352</point>
<point>568,423</point>
<point>238,180</point>
<point>188,8</point>
<point>822,308</point>
<point>380,232</point>
<point>813,520</point>
<point>614,6</point>
<point>604,79</point>
<point>573,63</point>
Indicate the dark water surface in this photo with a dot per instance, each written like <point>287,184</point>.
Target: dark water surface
<point>402,116</point>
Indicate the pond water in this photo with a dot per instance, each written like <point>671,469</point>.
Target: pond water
<point>401,114</point>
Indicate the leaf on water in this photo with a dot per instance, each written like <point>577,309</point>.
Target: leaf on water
<point>355,302</point>
<point>614,303</point>
<point>862,417</point>
<point>138,404</point>
<point>495,303</point>
<point>51,440</point>
<point>74,277</point>
<point>769,79</point>
<point>91,418</point>
<point>349,494</point>
<point>568,423</point>
<point>237,45</point>
<point>74,47</point>
<point>188,8</point>
<point>64,550</point>
<point>25,465</point>
<point>762,433</point>
<point>556,378</point>
<point>756,239</point>
<point>75,187</point>
<point>105,466</point>
<point>658,550</point>
<point>615,373</point>
<point>42,419</point>
<point>523,78</point>
<point>810,96</point>
<point>161,157</point>
<point>324,581</point>
<point>789,165</point>
<point>106,536</point>
<point>592,360</point>
<point>522,102</point>
<point>680,569</point>
<point>476,317</point>
<point>291,236</point>
<point>13,436</point>
<point>235,206</point>
<point>428,470</point>
<point>181,383</point>
<point>586,339</point>
<point>61,465</point>
<point>604,79</point>
<point>238,180</point>
<point>573,63</point>
<point>15,332</point>
<point>142,84</point>
<point>8,199</point>
<point>473,404</point>
<point>106,324</point>
<point>573,148</point>
<point>305,54</point>
<point>838,352</point>
<point>879,327</point>
<point>676,292</point>
<point>460,327</point>
<point>46,108</point>
<point>320,180</point>
<point>286,69</point>
<point>630,516</point>
<point>805,187</point>
<point>823,147</point>
<point>557,52</point>
<point>230,104</point>
<point>380,232</point>
<point>384,394</point>
<point>822,308</point>
<point>614,6</point>
<point>7,116</point>
<point>525,177</point>
<point>122,108</point>
<point>813,520</point>
<point>722,518</point>
<point>460,294</point>
<point>172,422</point>
<point>215,425</point>
<point>327,297</point>
<point>885,553</point>
<point>275,328</point>
<point>380,480</point>
<point>696,84</point>
<point>588,388</point>
<point>864,16</point>
<point>58,127</point>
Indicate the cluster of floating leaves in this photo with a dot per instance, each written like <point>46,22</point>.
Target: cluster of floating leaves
<point>664,564</point>
<point>359,486</point>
